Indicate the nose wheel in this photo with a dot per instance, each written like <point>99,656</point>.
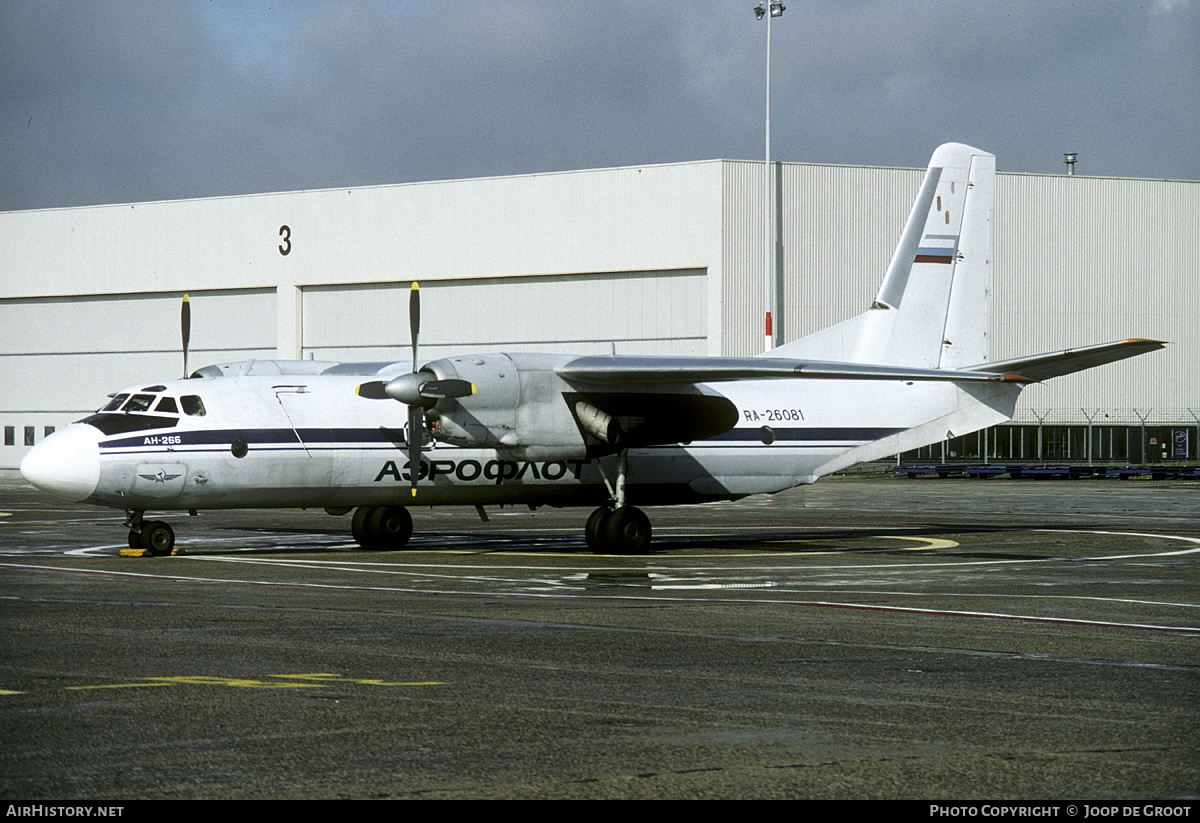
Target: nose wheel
<point>155,536</point>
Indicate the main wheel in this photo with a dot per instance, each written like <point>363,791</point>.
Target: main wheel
<point>390,527</point>
<point>624,531</point>
<point>591,530</point>
<point>158,538</point>
<point>358,526</point>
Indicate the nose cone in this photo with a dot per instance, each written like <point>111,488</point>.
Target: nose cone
<point>66,464</point>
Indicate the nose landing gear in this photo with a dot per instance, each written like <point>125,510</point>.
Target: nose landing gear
<point>155,536</point>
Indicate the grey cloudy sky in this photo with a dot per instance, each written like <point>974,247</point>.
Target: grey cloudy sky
<point>105,102</point>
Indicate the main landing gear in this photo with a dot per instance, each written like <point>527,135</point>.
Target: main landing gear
<point>619,528</point>
<point>155,536</point>
<point>381,527</point>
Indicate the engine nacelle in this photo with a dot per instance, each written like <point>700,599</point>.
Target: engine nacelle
<point>518,406</point>
<point>522,408</point>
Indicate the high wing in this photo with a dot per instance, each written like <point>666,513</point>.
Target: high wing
<point>1068,361</point>
<point>600,370</point>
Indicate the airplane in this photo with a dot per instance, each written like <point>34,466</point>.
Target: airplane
<point>611,432</point>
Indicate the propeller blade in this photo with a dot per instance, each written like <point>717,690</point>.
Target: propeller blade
<point>414,319</point>
<point>416,434</point>
<point>373,390</point>
<point>416,414</point>
<point>185,328</point>
<point>440,389</point>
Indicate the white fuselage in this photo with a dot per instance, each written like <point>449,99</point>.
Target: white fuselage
<point>310,441</point>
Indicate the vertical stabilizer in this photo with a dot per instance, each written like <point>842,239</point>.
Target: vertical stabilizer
<point>932,308</point>
<point>968,317</point>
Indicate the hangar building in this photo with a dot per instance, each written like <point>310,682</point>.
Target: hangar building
<point>667,259</point>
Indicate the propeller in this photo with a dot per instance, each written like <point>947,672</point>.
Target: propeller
<point>418,390</point>
<point>185,329</point>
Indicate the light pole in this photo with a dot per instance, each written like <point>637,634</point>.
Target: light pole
<point>770,10</point>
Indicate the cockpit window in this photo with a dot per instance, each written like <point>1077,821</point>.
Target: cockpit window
<point>192,404</point>
<point>138,403</point>
<point>120,423</point>
<point>115,403</point>
<point>126,413</point>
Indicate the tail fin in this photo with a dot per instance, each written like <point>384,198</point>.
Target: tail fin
<point>932,310</point>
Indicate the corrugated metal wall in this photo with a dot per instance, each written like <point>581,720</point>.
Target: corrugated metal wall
<point>836,227</point>
<point>743,295</point>
<point>1086,260</point>
<point>839,228</point>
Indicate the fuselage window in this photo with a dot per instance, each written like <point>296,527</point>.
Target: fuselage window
<point>167,404</point>
<point>139,403</point>
<point>115,403</point>
<point>192,404</point>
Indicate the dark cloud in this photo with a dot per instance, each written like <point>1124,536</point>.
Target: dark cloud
<point>103,102</point>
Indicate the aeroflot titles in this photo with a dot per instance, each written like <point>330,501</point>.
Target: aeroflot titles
<point>495,470</point>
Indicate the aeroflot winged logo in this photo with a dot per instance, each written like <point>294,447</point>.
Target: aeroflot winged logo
<point>160,476</point>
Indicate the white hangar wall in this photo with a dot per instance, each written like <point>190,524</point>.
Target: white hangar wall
<point>660,259</point>
<point>1088,259</point>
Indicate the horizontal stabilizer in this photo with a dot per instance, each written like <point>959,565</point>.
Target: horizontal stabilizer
<point>617,370</point>
<point>1056,364</point>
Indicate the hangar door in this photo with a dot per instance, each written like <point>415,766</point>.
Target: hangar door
<point>61,356</point>
<point>67,353</point>
<point>660,312</point>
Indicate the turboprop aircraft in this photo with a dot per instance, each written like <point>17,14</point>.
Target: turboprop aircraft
<point>608,432</point>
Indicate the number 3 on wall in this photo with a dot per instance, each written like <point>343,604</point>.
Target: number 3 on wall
<point>286,245</point>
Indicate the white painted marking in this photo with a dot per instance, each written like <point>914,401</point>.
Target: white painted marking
<point>662,574</point>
